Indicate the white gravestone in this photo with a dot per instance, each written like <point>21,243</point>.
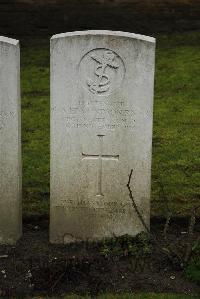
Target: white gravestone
<point>10,142</point>
<point>102,86</point>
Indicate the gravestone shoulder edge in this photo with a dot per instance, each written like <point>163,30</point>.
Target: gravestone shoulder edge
<point>8,40</point>
<point>105,33</point>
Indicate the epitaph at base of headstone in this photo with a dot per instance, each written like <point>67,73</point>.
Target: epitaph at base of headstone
<point>101,128</point>
<point>10,142</point>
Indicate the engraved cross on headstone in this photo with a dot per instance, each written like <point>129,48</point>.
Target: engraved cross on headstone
<point>100,157</point>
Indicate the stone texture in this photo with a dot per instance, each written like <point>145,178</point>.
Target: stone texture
<point>10,142</point>
<point>101,128</point>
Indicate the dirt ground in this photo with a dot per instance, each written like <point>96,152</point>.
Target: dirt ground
<point>36,267</point>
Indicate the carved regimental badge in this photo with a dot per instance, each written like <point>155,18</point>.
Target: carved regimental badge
<point>101,71</point>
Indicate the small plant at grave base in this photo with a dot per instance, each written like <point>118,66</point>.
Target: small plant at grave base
<point>193,269</point>
<point>126,245</point>
<point>173,251</point>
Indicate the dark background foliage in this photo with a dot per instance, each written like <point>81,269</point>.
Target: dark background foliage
<point>40,18</point>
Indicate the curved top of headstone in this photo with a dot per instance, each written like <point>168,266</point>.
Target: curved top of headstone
<point>106,32</point>
<point>8,40</point>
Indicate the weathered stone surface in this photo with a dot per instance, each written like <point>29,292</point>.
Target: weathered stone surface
<point>101,128</point>
<point>10,142</point>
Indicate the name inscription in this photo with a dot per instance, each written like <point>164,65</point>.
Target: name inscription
<point>99,115</point>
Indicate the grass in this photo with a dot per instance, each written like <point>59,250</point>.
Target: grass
<point>35,127</point>
<point>175,169</point>
<point>176,123</point>
<point>192,271</point>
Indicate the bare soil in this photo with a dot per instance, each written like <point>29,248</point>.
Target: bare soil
<point>36,267</point>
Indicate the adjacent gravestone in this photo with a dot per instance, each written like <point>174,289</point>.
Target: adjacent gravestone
<point>10,142</point>
<point>101,128</point>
